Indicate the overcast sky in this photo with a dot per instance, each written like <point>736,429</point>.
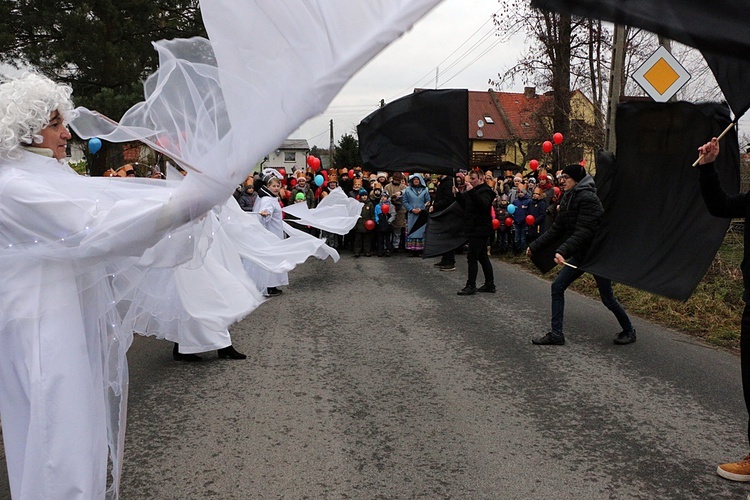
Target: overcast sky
<point>457,37</point>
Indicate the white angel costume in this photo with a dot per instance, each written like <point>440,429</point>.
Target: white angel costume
<point>74,251</point>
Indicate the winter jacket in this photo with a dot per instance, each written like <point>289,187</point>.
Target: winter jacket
<point>720,204</point>
<point>477,205</point>
<point>521,203</point>
<point>367,213</point>
<point>577,221</point>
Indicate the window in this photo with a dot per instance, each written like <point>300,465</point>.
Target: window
<point>290,156</point>
<point>488,119</point>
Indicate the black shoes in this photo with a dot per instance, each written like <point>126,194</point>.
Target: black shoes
<point>487,288</point>
<point>468,290</point>
<point>273,291</point>
<point>447,267</point>
<point>231,353</point>
<point>625,337</point>
<point>178,356</point>
<point>549,339</point>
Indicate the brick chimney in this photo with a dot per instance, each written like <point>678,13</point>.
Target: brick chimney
<point>529,92</point>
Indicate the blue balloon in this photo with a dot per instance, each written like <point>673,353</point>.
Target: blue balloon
<point>319,180</point>
<point>511,209</point>
<point>95,144</point>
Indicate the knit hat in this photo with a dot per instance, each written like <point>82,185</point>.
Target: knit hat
<point>362,191</point>
<point>299,196</point>
<point>575,172</point>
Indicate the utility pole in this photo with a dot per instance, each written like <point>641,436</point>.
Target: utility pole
<point>615,87</point>
<point>437,69</point>
<point>330,145</point>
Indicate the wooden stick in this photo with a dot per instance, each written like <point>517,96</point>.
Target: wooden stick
<point>153,145</point>
<point>570,265</point>
<point>726,130</point>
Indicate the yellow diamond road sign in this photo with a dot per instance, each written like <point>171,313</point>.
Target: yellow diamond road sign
<point>661,76</point>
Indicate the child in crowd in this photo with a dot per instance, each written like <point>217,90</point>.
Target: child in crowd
<point>521,203</point>
<point>362,235</point>
<point>538,209</point>
<point>383,219</point>
<point>504,232</point>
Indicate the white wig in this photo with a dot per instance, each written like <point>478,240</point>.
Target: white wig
<point>26,104</point>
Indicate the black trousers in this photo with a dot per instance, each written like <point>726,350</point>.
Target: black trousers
<point>745,361</point>
<point>477,254</point>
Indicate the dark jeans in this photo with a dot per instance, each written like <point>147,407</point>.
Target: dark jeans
<point>385,241</point>
<point>566,277</point>
<point>477,253</point>
<point>745,360</point>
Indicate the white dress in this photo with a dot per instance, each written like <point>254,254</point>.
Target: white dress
<point>274,223</point>
<point>63,330</point>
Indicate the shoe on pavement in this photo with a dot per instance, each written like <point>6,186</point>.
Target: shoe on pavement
<point>625,337</point>
<point>736,471</point>
<point>447,267</point>
<point>487,288</point>
<point>468,290</point>
<point>549,339</point>
<point>439,263</point>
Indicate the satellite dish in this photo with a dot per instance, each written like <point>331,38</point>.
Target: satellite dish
<point>480,133</point>
<point>480,123</point>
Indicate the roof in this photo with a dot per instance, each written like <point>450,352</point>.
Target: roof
<point>295,144</point>
<point>516,115</point>
<point>481,107</point>
<point>521,112</point>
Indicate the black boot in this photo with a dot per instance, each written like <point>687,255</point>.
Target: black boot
<point>178,356</point>
<point>231,353</point>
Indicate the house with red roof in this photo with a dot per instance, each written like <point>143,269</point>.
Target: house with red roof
<point>506,129</point>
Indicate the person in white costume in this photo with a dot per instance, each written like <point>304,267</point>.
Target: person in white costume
<point>63,379</point>
<point>269,208</point>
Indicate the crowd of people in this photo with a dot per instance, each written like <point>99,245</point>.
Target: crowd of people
<point>396,206</point>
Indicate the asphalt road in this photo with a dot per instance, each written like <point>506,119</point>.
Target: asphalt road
<point>371,378</point>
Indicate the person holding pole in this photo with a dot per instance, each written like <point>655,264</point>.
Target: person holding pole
<point>580,213</point>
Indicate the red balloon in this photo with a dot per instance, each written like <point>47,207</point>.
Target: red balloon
<point>385,208</point>
<point>287,194</point>
<point>351,174</point>
<point>318,192</point>
<point>311,161</point>
<point>508,221</point>
<point>557,191</point>
<point>533,164</point>
<point>324,173</point>
<point>547,146</point>
<point>370,225</point>
<point>292,182</point>
<point>583,162</point>
<point>282,172</point>
<point>530,220</point>
<point>558,138</point>
<point>495,224</point>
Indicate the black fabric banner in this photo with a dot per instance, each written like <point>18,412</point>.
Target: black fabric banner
<point>719,26</point>
<point>445,231</point>
<point>657,234</point>
<point>719,29</point>
<point>427,131</point>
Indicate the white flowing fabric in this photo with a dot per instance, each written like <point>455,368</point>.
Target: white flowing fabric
<point>336,213</point>
<point>75,251</point>
<point>63,380</point>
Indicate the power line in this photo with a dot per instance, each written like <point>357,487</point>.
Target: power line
<point>430,73</point>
